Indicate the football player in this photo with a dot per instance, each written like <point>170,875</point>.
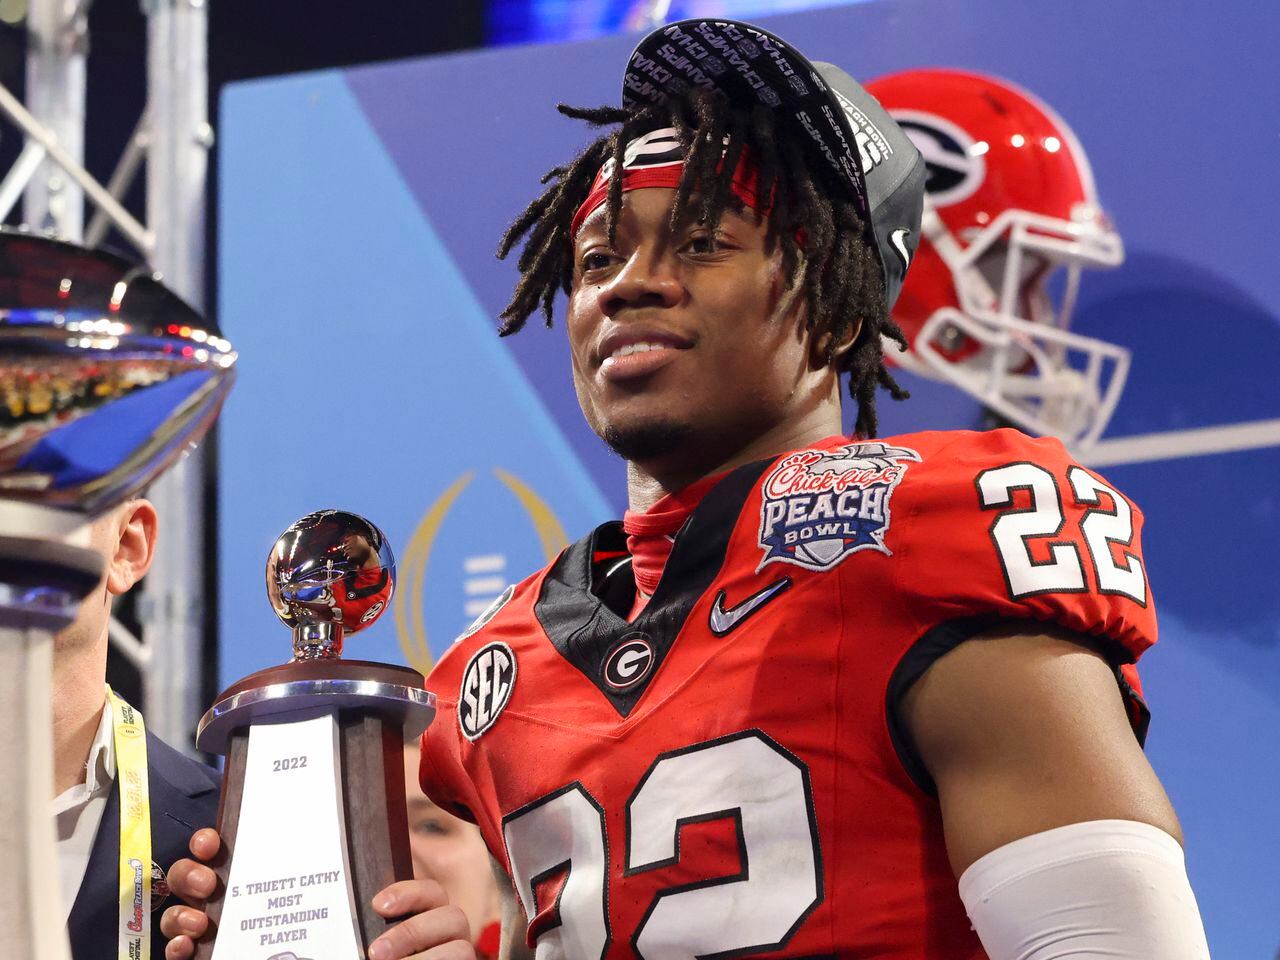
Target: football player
<point>816,694</point>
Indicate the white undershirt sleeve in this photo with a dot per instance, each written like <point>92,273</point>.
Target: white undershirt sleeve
<point>1105,889</point>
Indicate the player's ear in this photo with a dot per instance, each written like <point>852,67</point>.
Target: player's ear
<point>133,547</point>
<point>826,348</point>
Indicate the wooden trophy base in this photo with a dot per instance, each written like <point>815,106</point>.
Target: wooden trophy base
<point>346,774</point>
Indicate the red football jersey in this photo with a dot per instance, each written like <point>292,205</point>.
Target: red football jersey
<point>362,595</point>
<point>725,775</point>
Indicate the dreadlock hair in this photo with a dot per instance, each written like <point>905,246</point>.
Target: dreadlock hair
<point>840,273</point>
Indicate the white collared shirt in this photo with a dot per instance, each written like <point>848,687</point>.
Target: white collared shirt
<point>78,810</point>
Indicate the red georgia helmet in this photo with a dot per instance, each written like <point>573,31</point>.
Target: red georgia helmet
<point>1011,218</point>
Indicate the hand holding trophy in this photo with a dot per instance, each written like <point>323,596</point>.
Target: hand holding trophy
<point>313,805</point>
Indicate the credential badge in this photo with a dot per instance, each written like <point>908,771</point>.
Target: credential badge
<point>486,687</point>
<point>821,506</point>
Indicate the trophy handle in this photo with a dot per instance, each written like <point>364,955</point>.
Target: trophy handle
<point>371,749</point>
<point>228,822</point>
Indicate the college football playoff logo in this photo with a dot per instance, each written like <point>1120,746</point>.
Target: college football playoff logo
<point>820,506</point>
<point>486,687</point>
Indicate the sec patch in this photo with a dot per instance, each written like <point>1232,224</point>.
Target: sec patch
<point>486,687</point>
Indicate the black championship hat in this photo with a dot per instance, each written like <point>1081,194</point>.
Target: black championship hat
<point>864,150</point>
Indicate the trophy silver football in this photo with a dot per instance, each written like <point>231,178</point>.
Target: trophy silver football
<point>331,573</point>
<point>312,815</point>
<point>106,377</point>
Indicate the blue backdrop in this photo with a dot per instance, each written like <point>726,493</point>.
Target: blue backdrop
<point>523,21</point>
<point>359,211</point>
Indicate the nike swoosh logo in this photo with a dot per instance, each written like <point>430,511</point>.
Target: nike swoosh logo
<point>722,621</point>
<point>899,240</point>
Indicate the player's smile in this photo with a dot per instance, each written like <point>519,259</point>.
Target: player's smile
<point>680,328</point>
<point>637,350</point>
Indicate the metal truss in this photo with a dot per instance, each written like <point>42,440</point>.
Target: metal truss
<point>173,136</point>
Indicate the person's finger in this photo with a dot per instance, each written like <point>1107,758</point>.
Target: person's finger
<point>405,897</point>
<point>192,881</point>
<point>180,920</point>
<point>180,948</point>
<point>453,950</point>
<point>424,931</point>
<point>205,844</point>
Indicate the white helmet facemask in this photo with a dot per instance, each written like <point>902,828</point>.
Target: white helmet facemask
<point>1028,367</point>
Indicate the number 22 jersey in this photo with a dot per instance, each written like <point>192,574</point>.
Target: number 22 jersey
<point>725,775</point>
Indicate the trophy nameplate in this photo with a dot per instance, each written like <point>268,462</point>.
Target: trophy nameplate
<point>312,816</point>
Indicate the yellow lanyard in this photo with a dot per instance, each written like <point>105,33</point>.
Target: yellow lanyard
<point>135,831</point>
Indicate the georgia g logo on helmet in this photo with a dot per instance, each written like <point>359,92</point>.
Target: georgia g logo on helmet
<point>954,160</point>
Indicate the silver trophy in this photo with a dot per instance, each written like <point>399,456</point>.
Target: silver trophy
<point>312,815</point>
<point>106,377</point>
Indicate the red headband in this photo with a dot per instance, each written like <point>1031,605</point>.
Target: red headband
<point>657,160</point>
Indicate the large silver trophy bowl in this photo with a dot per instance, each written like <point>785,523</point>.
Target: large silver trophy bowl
<point>106,378</point>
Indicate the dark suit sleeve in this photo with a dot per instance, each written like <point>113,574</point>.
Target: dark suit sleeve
<point>184,798</point>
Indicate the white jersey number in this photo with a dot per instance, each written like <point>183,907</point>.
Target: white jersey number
<point>1102,528</point>
<point>1012,530</point>
<point>563,831</point>
<point>1064,572</point>
<point>746,777</point>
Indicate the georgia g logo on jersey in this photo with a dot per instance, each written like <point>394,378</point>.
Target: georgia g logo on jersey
<point>629,663</point>
<point>820,506</point>
<point>486,687</point>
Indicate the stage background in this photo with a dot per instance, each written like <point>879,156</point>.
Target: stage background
<point>359,212</point>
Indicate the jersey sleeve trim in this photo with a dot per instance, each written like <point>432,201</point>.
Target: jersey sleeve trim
<point>1136,706</point>
<point>945,637</point>
<point>931,645</point>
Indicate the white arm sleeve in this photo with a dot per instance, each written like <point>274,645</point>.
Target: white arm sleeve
<point>1113,889</point>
